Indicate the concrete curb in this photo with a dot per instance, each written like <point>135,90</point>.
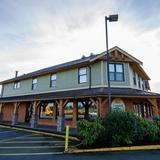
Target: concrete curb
<point>132,148</point>
<point>38,132</point>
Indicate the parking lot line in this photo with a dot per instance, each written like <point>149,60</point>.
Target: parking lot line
<point>31,141</point>
<point>18,137</point>
<point>38,147</point>
<point>7,131</point>
<point>31,154</point>
<point>44,137</point>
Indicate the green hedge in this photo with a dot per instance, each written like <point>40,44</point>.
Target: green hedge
<point>118,129</point>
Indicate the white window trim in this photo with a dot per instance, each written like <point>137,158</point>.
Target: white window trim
<point>80,75</point>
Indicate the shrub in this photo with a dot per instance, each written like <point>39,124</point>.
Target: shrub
<point>145,131</point>
<point>118,129</point>
<point>123,128</point>
<point>157,122</point>
<point>89,131</point>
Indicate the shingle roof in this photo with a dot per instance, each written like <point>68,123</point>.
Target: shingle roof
<point>67,65</point>
<point>82,93</point>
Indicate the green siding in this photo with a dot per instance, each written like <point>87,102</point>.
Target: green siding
<point>96,74</point>
<point>65,80</point>
<point>68,80</point>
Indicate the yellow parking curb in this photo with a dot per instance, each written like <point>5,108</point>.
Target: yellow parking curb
<point>39,132</point>
<point>132,148</point>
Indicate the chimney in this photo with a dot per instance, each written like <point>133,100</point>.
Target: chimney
<point>83,56</point>
<point>16,74</point>
<point>91,54</point>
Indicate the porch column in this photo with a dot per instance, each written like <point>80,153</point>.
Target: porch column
<point>75,112</point>
<point>101,105</point>
<point>1,112</point>
<point>60,119</point>
<point>15,114</point>
<point>34,114</point>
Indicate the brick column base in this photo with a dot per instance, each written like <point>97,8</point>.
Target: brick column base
<point>33,121</point>
<point>60,123</point>
<point>14,119</point>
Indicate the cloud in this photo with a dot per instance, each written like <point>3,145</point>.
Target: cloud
<point>37,33</point>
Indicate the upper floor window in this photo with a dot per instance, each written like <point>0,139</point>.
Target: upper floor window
<point>34,83</point>
<point>82,75</point>
<point>53,80</point>
<point>139,81</point>
<point>17,85</point>
<point>134,78</point>
<point>116,72</point>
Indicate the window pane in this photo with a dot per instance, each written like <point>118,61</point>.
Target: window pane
<point>34,81</point>
<point>15,85</point>
<point>69,111</point>
<point>119,68</point>
<point>92,112</point>
<point>53,83</point>
<point>111,68</point>
<point>53,77</point>
<point>83,79</point>
<point>82,71</point>
<point>34,86</point>
<point>18,84</point>
<point>111,76</point>
<point>119,76</point>
<point>81,111</point>
<point>46,111</point>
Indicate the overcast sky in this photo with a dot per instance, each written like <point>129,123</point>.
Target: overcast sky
<point>40,33</point>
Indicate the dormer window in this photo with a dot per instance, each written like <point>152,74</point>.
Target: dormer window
<point>116,72</point>
<point>17,85</point>
<point>82,75</point>
<point>34,83</point>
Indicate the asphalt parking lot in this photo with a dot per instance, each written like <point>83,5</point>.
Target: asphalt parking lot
<point>14,142</point>
<point>22,145</point>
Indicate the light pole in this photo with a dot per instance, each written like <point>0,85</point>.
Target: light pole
<point>110,18</point>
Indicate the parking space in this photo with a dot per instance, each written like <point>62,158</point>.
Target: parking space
<point>14,142</point>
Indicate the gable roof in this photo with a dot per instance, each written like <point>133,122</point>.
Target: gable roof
<point>120,50</point>
<point>76,63</point>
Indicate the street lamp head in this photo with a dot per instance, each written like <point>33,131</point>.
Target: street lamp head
<point>113,18</point>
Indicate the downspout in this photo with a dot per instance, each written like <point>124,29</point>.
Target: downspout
<point>89,76</point>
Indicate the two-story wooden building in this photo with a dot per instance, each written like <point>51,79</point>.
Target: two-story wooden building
<point>65,93</point>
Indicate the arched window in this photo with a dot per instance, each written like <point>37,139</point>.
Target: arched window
<point>118,105</point>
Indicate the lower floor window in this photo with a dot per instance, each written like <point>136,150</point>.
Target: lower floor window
<point>46,110</point>
<point>68,111</point>
<point>143,109</point>
<point>118,105</point>
<point>88,112</point>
